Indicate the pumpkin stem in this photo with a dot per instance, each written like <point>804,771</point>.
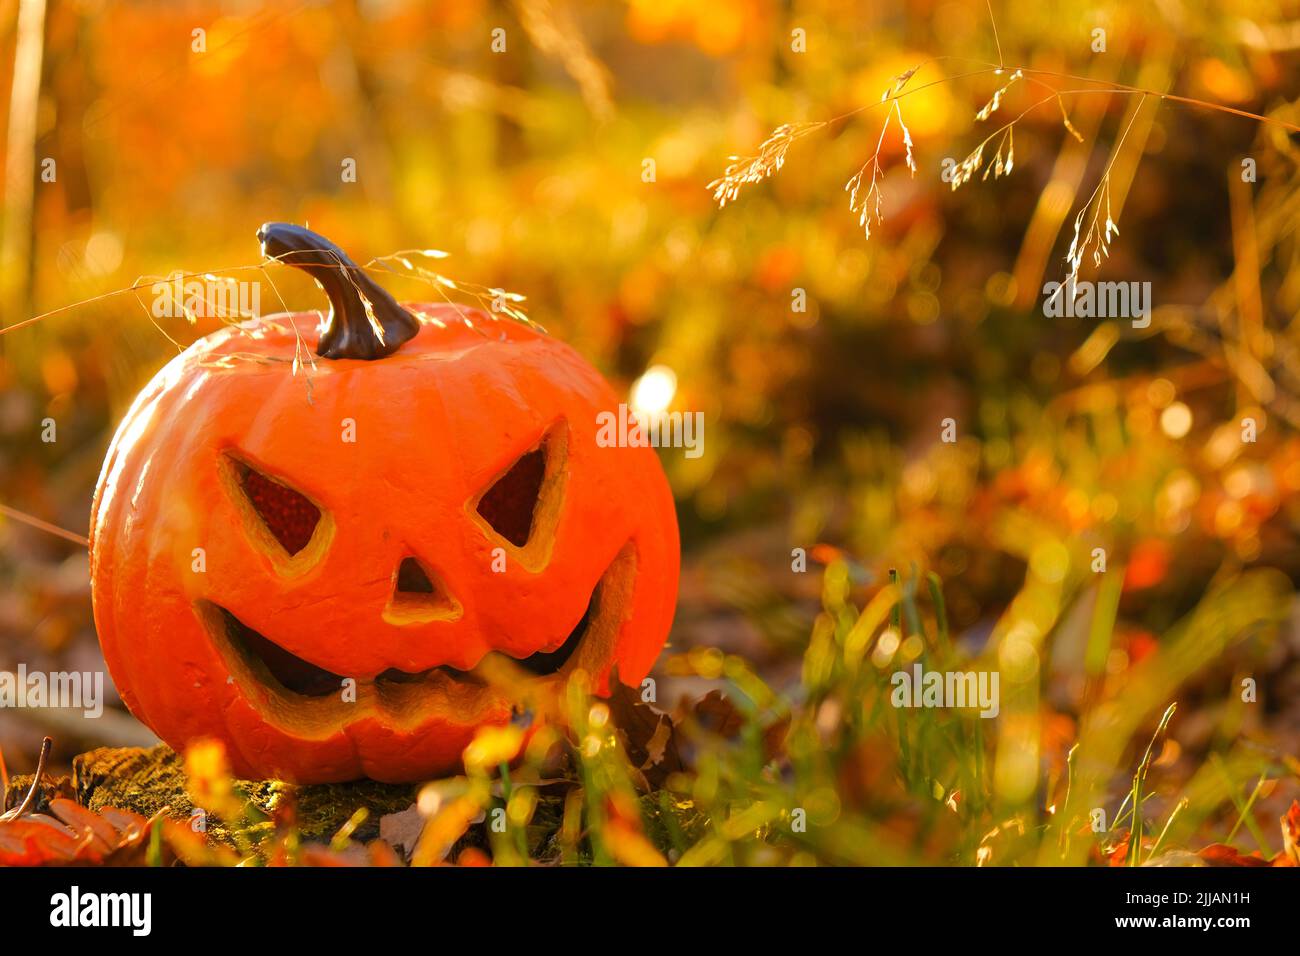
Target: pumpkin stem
<point>364,321</point>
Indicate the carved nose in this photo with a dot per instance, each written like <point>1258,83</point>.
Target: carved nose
<point>412,579</point>
<point>419,596</point>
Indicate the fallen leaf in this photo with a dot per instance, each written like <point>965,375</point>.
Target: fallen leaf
<point>81,820</point>
<point>36,839</point>
<point>1220,854</point>
<point>648,736</point>
<point>401,831</point>
<point>1290,855</point>
<point>717,714</point>
<point>112,838</point>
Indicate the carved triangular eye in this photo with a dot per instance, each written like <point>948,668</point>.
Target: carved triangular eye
<point>508,506</point>
<point>288,515</point>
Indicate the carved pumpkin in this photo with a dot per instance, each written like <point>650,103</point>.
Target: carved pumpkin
<point>267,545</point>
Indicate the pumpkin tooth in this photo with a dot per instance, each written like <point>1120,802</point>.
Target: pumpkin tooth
<point>548,662</point>
<point>394,676</point>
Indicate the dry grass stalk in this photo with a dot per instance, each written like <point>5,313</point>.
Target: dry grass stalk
<point>991,107</point>
<point>864,187</point>
<point>555,31</point>
<point>868,204</point>
<point>745,170</point>
<point>1097,235</point>
<point>1096,239</point>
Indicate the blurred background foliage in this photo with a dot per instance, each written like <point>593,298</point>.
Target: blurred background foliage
<point>822,426</point>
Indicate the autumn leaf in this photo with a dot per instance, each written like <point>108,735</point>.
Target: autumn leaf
<point>1220,854</point>
<point>103,835</point>
<point>75,836</point>
<point>401,831</point>
<point>36,839</point>
<point>649,737</point>
<point>717,714</point>
<point>1290,855</point>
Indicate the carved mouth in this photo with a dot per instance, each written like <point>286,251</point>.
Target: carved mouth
<point>292,674</point>
<point>294,692</point>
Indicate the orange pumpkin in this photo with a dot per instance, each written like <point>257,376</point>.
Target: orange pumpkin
<point>309,567</point>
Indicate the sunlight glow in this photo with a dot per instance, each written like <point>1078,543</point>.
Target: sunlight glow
<point>653,392</point>
<point>1176,420</point>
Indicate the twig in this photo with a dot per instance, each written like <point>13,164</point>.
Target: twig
<point>45,526</point>
<point>28,800</point>
<point>994,22</point>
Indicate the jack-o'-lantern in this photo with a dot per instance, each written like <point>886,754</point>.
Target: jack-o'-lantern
<point>309,564</point>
